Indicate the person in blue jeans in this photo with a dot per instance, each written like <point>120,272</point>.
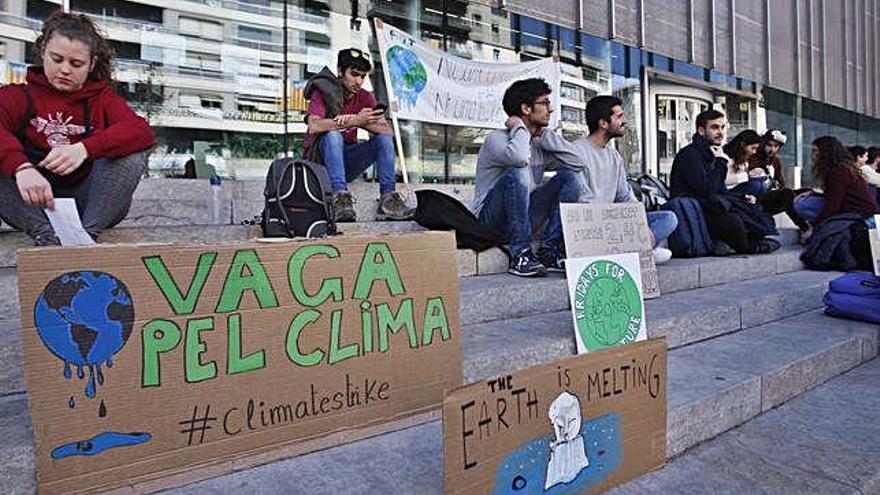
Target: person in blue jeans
<point>844,188</point>
<point>338,107</point>
<point>510,194</point>
<point>605,173</point>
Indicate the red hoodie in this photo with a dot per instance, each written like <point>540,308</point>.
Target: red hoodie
<point>58,119</point>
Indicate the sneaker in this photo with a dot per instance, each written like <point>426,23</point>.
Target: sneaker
<point>392,206</point>
<point>552,260</point>
<point>721,248</point>
<point>342,206</point>
<point>526,264</point>
<point>661,255</point>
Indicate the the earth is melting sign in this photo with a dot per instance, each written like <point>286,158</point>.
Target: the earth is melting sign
<point>578,425</point>
<point>148,366</point>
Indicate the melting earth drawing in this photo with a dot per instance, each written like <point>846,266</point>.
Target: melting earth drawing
<point>84,318</point>
<point>408,74</point>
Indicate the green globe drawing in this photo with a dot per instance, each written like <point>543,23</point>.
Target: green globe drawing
<point>408,74</point>
<point>608,306</point>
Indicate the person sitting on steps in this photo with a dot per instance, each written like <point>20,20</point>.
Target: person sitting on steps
<point>779,197</point>
<point>67,134</point>
<point>338,107</point>
<point>699,170</point>
<point>510,195</point>
<point>605,172</point>
<point>740,181</point>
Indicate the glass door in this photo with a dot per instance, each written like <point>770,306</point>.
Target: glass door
<point>675,123</point>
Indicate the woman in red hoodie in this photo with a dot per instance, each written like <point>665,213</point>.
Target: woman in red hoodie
<point>67,134</point>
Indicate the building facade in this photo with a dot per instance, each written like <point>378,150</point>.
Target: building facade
<point>208,73</point>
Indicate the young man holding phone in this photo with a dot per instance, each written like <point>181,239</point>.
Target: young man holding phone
<point>338,106</point>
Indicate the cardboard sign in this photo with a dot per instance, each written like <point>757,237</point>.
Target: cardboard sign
<point>592,229</point>
<point>874,237</point>
<point>150,366</point>
<point>578,425</point>
<point>605,293</point>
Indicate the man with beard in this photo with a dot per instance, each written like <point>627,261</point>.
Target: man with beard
<point>510,196</point>
<point>699,171</point>
<point>605,172</point>
<point>767,163</point>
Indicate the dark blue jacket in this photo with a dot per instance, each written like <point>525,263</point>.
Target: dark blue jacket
<point>697,173</point>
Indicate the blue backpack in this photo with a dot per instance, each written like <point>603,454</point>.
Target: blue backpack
<point>855,296</point>
<point>691,238</point>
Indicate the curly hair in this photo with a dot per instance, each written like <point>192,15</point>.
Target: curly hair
<point>81,28</point>
<point>736,148</point>
<point>523,92</point>
<point>832,155</point>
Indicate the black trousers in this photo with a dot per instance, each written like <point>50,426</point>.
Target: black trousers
<point>729,227</point>
<point>782,200</point>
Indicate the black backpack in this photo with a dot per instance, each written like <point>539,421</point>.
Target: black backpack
<point>650,191</point>
<point>298,202</point>
<point>438,211</point>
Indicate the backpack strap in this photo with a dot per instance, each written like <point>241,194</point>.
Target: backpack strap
<point>320,172</point>
<point>282,166</point>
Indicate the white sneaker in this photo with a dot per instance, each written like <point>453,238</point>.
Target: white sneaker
<point>661,255</point>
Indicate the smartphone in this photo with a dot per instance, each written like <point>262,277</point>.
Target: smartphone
<point>380,107</point>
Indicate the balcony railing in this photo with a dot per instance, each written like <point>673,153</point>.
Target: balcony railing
<point>20,21</point>
<point>294,13</point>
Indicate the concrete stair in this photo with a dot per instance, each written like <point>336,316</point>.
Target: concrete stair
<point>745,335</point>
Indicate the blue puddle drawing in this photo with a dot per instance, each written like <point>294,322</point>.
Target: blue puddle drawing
<point>100,443</point>
<point>524,471</point>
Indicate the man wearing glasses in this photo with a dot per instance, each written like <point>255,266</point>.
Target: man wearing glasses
<point>510,197</point>
<point>338,106</point>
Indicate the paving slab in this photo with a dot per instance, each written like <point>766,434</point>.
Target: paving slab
<point>17,468</point>
<point>8,294</point>
<point>823,441</point>
<point>11,373</point>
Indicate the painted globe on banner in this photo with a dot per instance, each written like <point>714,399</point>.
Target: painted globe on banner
<point>84,318</point>
<point>408,74</point>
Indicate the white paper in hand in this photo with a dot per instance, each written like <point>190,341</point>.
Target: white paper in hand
<point>68,227</point>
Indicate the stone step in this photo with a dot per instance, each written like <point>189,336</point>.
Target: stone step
<point>713,386</point>
<point>824,441</point>
<point>496,297</point>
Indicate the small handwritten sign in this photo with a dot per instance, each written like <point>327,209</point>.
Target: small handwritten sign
<point>578,425</point>
<point>596,229</point>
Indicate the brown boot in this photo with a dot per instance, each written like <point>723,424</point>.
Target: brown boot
<point>392,206</point>
<point>342,205</point>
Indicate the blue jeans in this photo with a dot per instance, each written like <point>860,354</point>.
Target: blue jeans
<point>345,162</point>
<point>810,207</point>
<point>662,224</point>
<point>754,186</point>
<point>510,209</point>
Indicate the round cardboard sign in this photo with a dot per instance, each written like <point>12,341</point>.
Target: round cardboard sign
<point>608,308</point>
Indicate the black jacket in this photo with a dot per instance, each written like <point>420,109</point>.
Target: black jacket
<point>331,91</point>
<point>831,246</point>
<point>697,173</point>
